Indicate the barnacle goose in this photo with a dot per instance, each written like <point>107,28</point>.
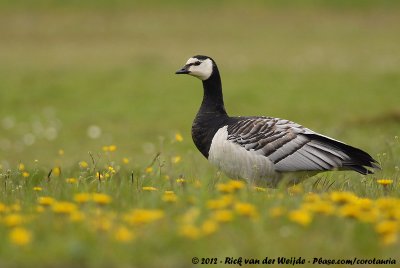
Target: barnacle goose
<point>263,149</point>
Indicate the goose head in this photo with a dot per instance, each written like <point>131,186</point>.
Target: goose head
<point>198,66</point>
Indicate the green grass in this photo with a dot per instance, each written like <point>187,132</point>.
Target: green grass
<point>64,67</point>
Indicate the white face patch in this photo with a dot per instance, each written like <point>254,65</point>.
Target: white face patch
<point>202,71</point>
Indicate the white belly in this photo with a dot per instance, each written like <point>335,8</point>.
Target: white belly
<point>238,163</point>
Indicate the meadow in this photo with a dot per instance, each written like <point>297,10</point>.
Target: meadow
<point>97,166</point>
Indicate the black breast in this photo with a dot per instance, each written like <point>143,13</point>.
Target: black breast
<point>204,127</point>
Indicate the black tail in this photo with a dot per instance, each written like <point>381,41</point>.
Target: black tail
<point>359,160</point>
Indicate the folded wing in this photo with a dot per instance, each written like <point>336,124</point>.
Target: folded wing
<point>292,147</point>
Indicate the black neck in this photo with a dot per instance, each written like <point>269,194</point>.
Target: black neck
<point>213,101</point>
<point>211,115</point>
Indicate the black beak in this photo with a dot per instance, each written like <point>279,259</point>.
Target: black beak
<point>184,70</point>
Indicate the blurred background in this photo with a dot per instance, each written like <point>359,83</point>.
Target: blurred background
<point>78,75</point>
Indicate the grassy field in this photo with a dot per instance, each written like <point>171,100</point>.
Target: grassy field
<point>97,167</point>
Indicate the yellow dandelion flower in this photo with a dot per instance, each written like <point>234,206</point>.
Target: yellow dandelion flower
<point>389,239</point>
<point>180,181</point>
<point>178,137</point>
<point>25,174</point>
<point>21,167</point>
<point>363,209</point>
<point>350,211</point>
<point>101,199</point>
<point>99,176</point>
<point>388,231</point>
<point>176,159</point>
<point>20,236</point>
<point>111,169</point>
<point>221,203</point>
<point>230,187</point>
<point>169,197</point>
<point>13,220</point>
<point>223,215</point>
<point>125,160</point>
<point>3,208</point>
<point>387,203</point>
<point>190,231</point>
<point>123,234</point>
<point>149,188</point>
<point>71,180</point>
<point>82,198</point>
<point>384,182</point>
<point>209,227</point>
<point>45,201</point>
<point>56,171</point>
<point>343,197</point>
<point>76,216</point>
<point>369,216</point>
<point>300,216</point>
<point>143,216</point>
<point>246,209</point>
<point>321,207</point>
<point>390,213</point>
<point>364,203</point>
<point>224,188</point>
<point>296,189</point>
<point>148,170</point>
<point>236,184</point>
<point>83,164</point>
<point>277,212</point>
<point>112,148</point>
<point>63,207</point>
<point>37,188</point>
<point>386,227</point>
<point>61,152</point>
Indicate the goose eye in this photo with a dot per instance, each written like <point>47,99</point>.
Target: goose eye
<point>197,63</point>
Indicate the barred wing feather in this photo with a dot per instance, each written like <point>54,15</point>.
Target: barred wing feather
<point>292,147</point>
